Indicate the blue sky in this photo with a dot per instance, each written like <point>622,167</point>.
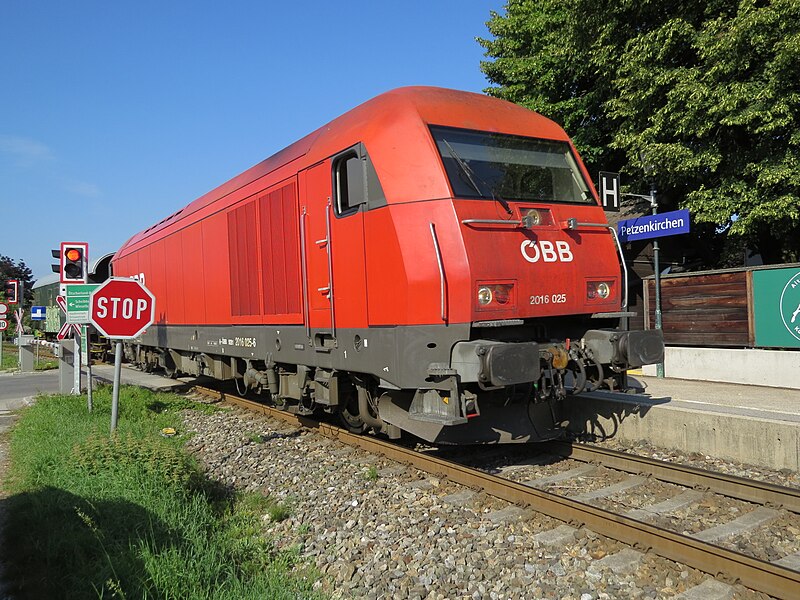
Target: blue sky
<point>115,114</point>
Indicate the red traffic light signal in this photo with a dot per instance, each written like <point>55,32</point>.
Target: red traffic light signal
<point>74,262</point>
<point>12,291</point>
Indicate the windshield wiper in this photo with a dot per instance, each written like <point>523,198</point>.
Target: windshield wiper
<point>502,202</point>
<point>465,168</point>
<point>580,183</point>
<point>471,177</point>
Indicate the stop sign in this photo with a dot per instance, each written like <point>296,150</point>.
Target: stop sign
<point>122,308</point>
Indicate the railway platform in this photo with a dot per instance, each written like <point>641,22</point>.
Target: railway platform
<point>744,423</point>
<point>131,376</point>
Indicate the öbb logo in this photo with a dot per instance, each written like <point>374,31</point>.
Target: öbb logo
<point>546,250</point>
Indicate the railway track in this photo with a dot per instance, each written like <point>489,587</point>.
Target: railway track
<point>629,527</point>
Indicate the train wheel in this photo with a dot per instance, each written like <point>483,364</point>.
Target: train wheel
<point>170,369</point>
<point>349,415</point>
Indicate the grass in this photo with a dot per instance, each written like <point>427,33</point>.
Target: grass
<point>131,516</point>
<point>10,360</point>
<point>256,438</point>
<point>371,474</point>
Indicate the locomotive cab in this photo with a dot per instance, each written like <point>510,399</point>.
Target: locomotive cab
<point>547,291</point>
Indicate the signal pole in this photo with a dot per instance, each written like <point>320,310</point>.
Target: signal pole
<point>20,328</point>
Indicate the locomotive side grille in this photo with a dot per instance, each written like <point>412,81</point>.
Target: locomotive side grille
<point>242,245</point>
<point>280,251</point>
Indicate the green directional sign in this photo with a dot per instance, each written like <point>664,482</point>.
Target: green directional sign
<point>77,297</point>
<point>776,307</point>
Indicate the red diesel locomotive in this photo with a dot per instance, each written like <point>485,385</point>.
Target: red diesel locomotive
<point>432,261</point>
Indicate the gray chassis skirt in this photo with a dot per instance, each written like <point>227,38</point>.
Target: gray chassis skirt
<point>398,356</point>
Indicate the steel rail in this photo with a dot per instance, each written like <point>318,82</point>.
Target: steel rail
<point>727,485</point>
<point>753,573</point>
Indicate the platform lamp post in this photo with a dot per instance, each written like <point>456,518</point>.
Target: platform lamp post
<point>648,171</point>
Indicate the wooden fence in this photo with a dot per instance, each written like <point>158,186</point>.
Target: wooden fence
<point>709,308</point>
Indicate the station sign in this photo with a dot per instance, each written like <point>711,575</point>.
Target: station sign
<point>38,313</point>
<point>654,226</point>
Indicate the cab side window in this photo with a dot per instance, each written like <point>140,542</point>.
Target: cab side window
<point>349,183</point>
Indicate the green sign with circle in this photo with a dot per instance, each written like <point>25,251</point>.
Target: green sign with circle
<point>776,307</point>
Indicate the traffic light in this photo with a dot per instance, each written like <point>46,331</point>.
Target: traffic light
<point>73,261</point>
<point>12,291</point>
<point>57,255</point>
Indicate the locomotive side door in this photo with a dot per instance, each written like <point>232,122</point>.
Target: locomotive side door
<point>333,226</point>
<point>315,220</point>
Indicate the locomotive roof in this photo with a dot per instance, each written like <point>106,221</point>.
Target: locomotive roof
<point>394,128</point>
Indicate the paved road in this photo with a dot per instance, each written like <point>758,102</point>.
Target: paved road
<point>15,387</point>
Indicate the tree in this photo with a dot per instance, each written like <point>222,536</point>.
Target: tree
<point>19,270</point>
<point>705,93</point>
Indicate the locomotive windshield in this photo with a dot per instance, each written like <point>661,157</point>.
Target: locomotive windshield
<point>507,167</point>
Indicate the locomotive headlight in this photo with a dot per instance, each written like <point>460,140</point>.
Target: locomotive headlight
<point>484,295</point>
<point>536,217</point>
<point>598,290</point>
<point>532,218</point>
<point>495,295</point>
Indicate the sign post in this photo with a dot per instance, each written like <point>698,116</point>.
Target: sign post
<point>115,391</point>
<point>657,276</point>
<point>653,227</point>
<point>87,356</point>
<point>19,299</point>
<point>63,333</point>
<point>76,389</point>
<point>121,309</point>
<point>3,326</point>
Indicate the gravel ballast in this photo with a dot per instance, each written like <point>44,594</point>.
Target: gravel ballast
<point>377,529</point>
